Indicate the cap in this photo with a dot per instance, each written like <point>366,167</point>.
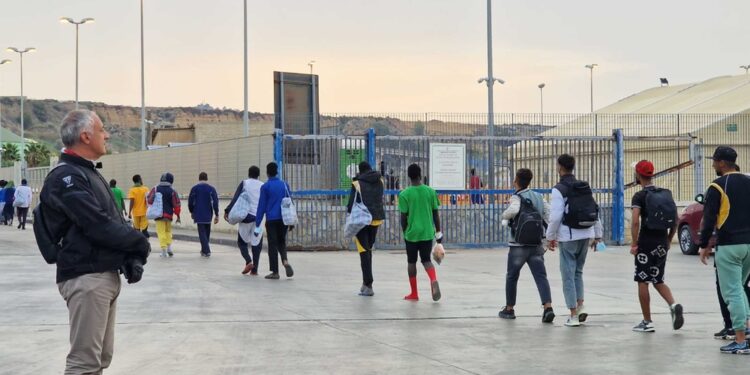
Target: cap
<point>725,153</point>
<point>645,168</point>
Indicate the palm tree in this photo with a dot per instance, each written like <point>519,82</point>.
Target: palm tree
<point>37,155</point>
<point>10,154</point>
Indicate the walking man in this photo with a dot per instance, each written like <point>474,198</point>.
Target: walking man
<point>80,212</point>
<point>367,188</point>
<point>10,193</point>
<point>22,201</point>
<point>138,206</point>
<point>420,223</point>
<point>574,222</point>
<point>531,253</point>
<point>726,209</point>
<point>653,228</point>
<point>119,196</point>
<point>203,204</point>
<point>269,206</point>
<point>170,209</point>
<point>251,186</point>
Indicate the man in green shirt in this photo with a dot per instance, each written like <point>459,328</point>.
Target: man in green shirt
<point>420,223</point>
<point>119,196</point>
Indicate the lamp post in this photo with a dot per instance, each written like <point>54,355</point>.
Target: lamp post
<point>746,67</point>
<point>77,24</point>
<point>3,62</point>
<point>20,53</point>
<point>143,90</point>
<point>312,105</point>
<point>541,102</point>
<point>245,115</point>
<point>591,67</point>
<point>490,80</point>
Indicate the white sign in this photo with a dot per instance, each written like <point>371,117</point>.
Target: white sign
<point>447,166</point>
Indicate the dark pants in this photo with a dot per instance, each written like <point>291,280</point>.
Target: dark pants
<point>22,212</point>
<point>366,239</point>
<point>204,233</point>
<point>276,231</point>
<point>723,304</point>
<point>517,257</point>
<point>255,259</point>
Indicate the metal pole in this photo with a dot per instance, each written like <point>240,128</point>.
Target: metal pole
<point>591,81</point>
<point>245,115</point>
<point>143,90</point>
<point>490,99</point>
<point>541,104</point>
<point>77,65</point>
<point>23,140</point>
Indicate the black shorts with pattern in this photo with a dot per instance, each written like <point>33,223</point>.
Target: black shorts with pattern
<point>650,261</point>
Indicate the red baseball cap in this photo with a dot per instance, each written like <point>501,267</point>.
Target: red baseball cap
<point>645,168</point>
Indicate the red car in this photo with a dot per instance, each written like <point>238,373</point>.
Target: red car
<point>689,226</point>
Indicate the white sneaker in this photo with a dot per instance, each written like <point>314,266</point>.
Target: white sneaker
<point>163,253</point>
<point>573,322</point>
<point>169,251</point>
<point>582,314</point>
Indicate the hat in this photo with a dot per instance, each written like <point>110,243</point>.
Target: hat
<point>725,153</point>
<point>645,168</point>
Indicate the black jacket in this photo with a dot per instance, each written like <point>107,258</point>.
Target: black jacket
<point>80,209</point>
<point>727,209</point>
<point>371,186</point>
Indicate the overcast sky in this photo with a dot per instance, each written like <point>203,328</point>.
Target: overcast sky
<point>374,55</point>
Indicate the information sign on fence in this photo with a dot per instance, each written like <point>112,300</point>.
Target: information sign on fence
<point>447,166</point>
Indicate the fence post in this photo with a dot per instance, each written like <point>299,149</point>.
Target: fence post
<point>696,155</point>
<point>618,193</point>
<point>370,147</point>
<point>278,151</point>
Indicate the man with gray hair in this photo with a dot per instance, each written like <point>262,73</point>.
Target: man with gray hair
<point>77,211</point>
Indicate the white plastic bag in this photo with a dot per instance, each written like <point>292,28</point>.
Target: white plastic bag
<point>288,209</point>
<point>359,218</point>
<point>240,210</point>
<point>156,209</point>
<point>438,253</point>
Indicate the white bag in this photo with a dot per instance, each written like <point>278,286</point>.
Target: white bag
<point>288,210</point>
<point>240,210</point>
<point>19,199</point>
<point>256,238</point>
<point>359,218</point>
<point>156,209</point>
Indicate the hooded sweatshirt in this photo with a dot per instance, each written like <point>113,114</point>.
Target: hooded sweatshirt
<point>371,187</point>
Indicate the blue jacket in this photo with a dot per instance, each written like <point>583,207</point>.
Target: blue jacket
<point>269,204</point>
<point>203,202</point>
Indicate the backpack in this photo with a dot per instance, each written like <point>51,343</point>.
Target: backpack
<point>49,244</point>
<point>581,209</point>
<point>156,209</point>
<point>528,225</point>
<point>661,209</point>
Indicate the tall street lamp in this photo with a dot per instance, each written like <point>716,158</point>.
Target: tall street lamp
<point>77,24</point>
<point>746,67</point>
<point>245,115</point>
<point>591,67</point>
<point>490,80</point>
<point>541,102</point>
<point>143,90</point>
<point>313,106</point>
<point>21,52</point>
<point>3,62</point>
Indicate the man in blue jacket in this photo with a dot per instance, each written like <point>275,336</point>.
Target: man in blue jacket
<point>269,205</point>
<point>202,202</point>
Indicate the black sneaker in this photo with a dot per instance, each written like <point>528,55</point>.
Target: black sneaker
<point>677,318</point>
<point>289,270</point>
<point>507,313</point>
<point>725,334</point>
<point>272,276</point>
<point>548,316</point>
<point>435,289</point>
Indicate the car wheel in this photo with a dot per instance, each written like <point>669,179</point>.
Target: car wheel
<point>687,245</point>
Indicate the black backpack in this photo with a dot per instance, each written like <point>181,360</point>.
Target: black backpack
<point>582,210</point>
<point>528,225</point>
<point>49,243</point>
<point>661,210</point>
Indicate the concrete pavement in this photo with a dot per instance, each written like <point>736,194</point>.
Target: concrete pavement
<point>192,315</point>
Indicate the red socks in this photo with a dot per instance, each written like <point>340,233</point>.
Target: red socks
<point>431,273</point>
<point>414,296</point>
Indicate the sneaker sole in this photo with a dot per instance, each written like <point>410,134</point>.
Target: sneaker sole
<point>679,320</point>
<point>742,352</point>
<point>435,291</point>
<point>548,318</point>
<point>506,317</point>
<point>644,330</point>
<point>724,337</point>
<point>572,325</point>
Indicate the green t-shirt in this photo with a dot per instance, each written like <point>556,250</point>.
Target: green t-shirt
<point>119,198</point>
<point>418,202</point>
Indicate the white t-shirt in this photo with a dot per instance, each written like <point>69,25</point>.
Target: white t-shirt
<point>23,193</point>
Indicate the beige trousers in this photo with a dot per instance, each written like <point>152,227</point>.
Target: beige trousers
<point>92,303</point>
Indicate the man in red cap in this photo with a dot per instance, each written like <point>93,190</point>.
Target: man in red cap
<point>653,228</point>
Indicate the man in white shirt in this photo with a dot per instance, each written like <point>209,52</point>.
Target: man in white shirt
<point>574,222</point>
<point>22,201</point>
<point>245,228</point>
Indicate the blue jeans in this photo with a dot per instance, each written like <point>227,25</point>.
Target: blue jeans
<point>572,259</point>
<point>204,234</point>
<point>517,257</point>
